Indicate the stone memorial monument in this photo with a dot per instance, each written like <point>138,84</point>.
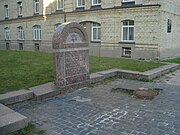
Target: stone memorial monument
<point>71,57</point>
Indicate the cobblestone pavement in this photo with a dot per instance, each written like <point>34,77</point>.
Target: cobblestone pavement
<point>171,78</point>
<point>98,111</point>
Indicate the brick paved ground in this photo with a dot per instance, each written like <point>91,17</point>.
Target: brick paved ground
<point>171,78</point>
<point>98,111</point>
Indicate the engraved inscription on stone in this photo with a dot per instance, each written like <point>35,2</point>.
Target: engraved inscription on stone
<point>71,57</point>
<point>73,38</point>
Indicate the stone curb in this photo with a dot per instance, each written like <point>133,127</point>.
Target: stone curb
<point>16,96</point>
<point>11,121</point>
<point>48,90</point>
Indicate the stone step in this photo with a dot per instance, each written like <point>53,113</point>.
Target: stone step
<point>16,96</point>
<point>11,121</point>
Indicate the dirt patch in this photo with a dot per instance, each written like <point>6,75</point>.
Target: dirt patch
<point>146,93</point>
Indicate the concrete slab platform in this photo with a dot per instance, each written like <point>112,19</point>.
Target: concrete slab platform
<point>11,121</point>
<point>154,73</point>
<point>16,96</point>
<point>109,73</point>
<point>4,110</point>
<point>45,91</point>
<point>95,77</point>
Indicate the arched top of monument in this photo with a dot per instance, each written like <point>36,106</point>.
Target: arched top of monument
<point>69,33</point>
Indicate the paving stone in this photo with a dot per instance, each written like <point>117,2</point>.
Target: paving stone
<point>109,113</point>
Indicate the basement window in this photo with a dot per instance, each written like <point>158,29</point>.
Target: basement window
<point>126,52</point>
<point>169,26</point>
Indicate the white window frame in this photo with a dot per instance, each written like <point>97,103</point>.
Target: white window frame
<point>80,3</point>
<point>128,35</point>
<point>21,35</point>
<point>125,50</point>
<point>7,33</point>
<point>97,2</point>
<point>59,4</point>
<point>37,32</point>
<point>128,1</point>
<point>36,6</point>
<point>20,8</point>
<point>6,11</point>
<point>98,27</point>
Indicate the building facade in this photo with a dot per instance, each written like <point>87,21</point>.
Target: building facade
<point>138,29</point>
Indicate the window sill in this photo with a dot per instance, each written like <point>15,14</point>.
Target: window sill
<point>95,41</point>
<point>59,10</point>
<point>19,16</point>
<point>36,14</point>
<point>122,42</point>
<point>126,56</point>
<point>20,40</point>
<point>96,7</point>
<point>37,40</point>
<point>127,4</point>
<point>80,8</point>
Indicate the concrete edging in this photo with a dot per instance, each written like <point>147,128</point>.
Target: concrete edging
<point>11,121</point>
<point>48,90</point>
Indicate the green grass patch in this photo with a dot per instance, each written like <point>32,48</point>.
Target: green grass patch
<point>177,60</point>
<point>22,69</point>
<point>30,130</point>
<point>104,63</point>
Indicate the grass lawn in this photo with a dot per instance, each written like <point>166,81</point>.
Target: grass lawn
<point>177,60</point>
<point>21,69</point>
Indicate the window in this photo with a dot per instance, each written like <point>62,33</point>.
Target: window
<point>128,31</point>
<point>126,52</point>
<point>7,34</point>
<point>19,4</point>
<point>20,33</point>
<point>36,6</point>
<point>96,32</point>
<point>20,46</point>
<point>96,2</point>
<point>80,3</point>
<point>6,11</point>
<point>37,32</point>
<point>60,4</point>
<point>7,46</point>
<point>36,47</point>
<point>169,26</point>
<point>128,0</point>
